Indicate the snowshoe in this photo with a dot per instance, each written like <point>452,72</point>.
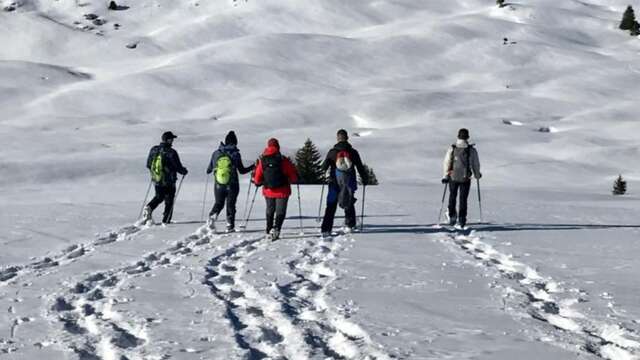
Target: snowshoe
<point>451,219</point>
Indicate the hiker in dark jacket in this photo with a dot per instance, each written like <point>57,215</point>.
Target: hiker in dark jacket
<point>165,179</point>
<point>225,164</point>
<point>460,163</point>
<point>342,162</point>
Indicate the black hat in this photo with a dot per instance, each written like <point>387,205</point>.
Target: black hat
<point>342,135</point>
<point>231,139</point>
<point>168,135</point>
<point>463,134</point>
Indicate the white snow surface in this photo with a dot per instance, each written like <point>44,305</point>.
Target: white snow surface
<point>550,273</point>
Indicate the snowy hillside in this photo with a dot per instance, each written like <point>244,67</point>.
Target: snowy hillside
<point>85,91</point>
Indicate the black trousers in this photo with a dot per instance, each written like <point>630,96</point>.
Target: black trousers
<point>166,193</point>
<point>276,208</point>
<point>330,214</point>
<point>463,188</point>
<point>228,194</point>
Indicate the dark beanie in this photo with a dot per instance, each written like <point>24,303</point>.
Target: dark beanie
<point>342,135</point>
<point>463,134</point>
<point>273,142</point>
<point>231,139</point>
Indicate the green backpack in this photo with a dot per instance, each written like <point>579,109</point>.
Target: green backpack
<point>224,169</point>
<point>157,168</point>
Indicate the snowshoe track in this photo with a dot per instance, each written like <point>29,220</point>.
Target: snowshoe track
<point>528,294</point>
<point>292,320</point>
<point>92,326</point>
<point>72,253</point>
<point>329,333</point>
<point>260,325</point>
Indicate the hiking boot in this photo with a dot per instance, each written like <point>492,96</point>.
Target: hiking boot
<point>230,228</point>
<point>325,234</point>
<point>347,229</point>
<point>452,219</point>
<point>211,222</point>
<point>274,234</point>
<point>146,215</point>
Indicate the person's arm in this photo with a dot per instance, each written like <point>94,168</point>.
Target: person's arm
<point>211,163</point>
<point>179,168</point>
<point>475,163</point>
<point>357,162</point>
<point>290,171</point>
<point>240,166</point>
<point>446,164</point>
<point>152,154</point>
<point>257,177</point>
<point>326,164</point>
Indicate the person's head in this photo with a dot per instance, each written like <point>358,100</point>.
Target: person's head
<point>168,137</point>
<point>273,142</point>
<point>463,134</point>
<point>231,139</point>
<point>342,135</point>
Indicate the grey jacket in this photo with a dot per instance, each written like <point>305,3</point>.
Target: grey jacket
<point>461,162</point>
<point>236,159</point>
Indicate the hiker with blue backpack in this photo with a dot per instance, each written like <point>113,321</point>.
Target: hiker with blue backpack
<point>342,161</point>
<point>225,165</point>
<point>461,162</point>
<point>164,164</point>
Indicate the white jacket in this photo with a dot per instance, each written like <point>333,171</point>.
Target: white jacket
<point>460,171</point>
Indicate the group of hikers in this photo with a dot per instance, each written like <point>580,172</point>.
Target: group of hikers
<point>275,173</point>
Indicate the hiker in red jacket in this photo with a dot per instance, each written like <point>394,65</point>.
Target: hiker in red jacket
<point>275,173</point>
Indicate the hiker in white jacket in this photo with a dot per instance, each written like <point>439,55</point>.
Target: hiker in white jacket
<point>460,163</point>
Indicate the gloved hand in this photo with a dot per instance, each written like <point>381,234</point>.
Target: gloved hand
<point>446,180</point>
<point>478,176</point>
<point>185,171</point>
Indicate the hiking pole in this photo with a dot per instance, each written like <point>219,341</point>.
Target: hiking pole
<point>146,196</point>
<point>318,219</point>
<point>300,210</point>
<point>174,198</point>
<point>204,198</point>
<point>246,221</point>
<point>364,192</point>
<point>246,200</point>
<point>479,201</point>
<point>444,194</point>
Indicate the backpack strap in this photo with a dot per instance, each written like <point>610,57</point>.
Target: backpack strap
<point>467,153</point>
<point>452,157</point>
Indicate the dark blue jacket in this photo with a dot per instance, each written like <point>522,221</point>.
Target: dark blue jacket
<point>234,153</point>
<point>171,162</point>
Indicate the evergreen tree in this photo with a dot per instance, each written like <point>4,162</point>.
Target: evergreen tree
<point>619,186</point>
<point>308,164</point>
<point>500,3</point>
<point>635,29</point>
<point>628,19</point>
<point>373,180</point>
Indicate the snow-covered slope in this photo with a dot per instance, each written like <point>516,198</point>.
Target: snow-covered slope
<point>82,103</point>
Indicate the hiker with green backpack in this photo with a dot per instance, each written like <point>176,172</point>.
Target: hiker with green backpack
<point>164,164</point>
<point>225,164</point>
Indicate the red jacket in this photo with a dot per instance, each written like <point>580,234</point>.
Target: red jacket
<point>287,168</point>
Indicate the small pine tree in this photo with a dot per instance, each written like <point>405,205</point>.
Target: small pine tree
<point>308,164</point>
<point>500,3</point>
<point>373,179</point>
<point>628,19</point>
<point>635,29</point>
<point>619,186</point>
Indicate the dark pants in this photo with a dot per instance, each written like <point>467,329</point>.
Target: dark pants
<point>463,188</point>
<point>166,193</point>
<point>332,206</point>
<point>276,208</point>
<point>228,194</point>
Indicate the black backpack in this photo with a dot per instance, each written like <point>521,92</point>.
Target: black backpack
<point>274,177</point>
